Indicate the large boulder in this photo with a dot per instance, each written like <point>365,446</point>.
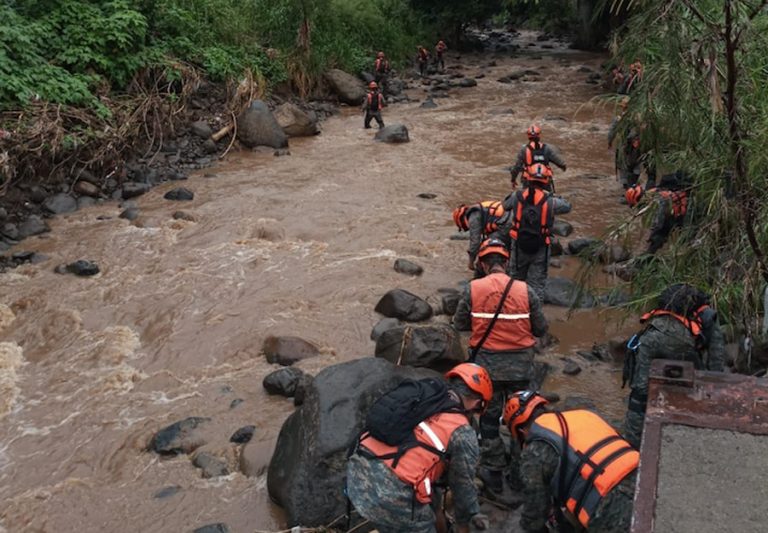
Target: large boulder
<point>404,305</point>
<point>576,246</point>
<point>60,203</point>
<point>34,225</point>
<point>564,292</point>
<point>306,473</point>
<point>347,87</point>
<point>562,228</point>
<point>286,351</point>
<point>295,122</point>
<point>394,133</point>
<point>256,126</point>
<point>383,325</point>
<point>435,346</point>
<point>283,381</point>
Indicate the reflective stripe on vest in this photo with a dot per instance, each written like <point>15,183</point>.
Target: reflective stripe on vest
<point>539,197</point>
<point>418,466</point>
<point>508,334</point>
<point>597,459</point>
<point>679,201</point>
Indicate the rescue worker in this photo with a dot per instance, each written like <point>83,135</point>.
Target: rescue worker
<point>535,152</point>
<point>397,498</point>
<point>440,49</point>
<point>574,460</point>
<point>633,79</point>
<point>480,220</point>
<point>531,213</point>
<point>672,199</point>
<point>613,130</point>
<point>682,326</point>
<point>503,346</point>
<point>372,105</point>
<point>422,56</point>
<point>381,70</point>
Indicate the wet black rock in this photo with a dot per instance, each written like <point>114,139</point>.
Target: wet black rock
<point>556,248</point>
<point>242,435</point>
<point>281,152</point>
<point>60,203</point>
<point>576,246</point>
<point>213,528</point>
<point>82,267</point>
<point>179,194</point>
<point>211,465</point>
<point>564,292</point>
<point>183,215</point>
<point>427,195</point>
<point>571,368</point>
<point>383,325</point>
<point>562,228</point>
<point>38,194</point>
<point>29,257</point>
<point>180,437</point>
<point>10,231</point>
<point>429,103</point>
<point>132,213</point>
<point>288,350</point>
<point>301,389</point>
<point>403,266</point>
<point>614,253</point>
<point>201,129</point>
<point>449,299</point>
<point>347,87</point>
<point>85,201</point>
<point>210,147</point>
<point>166,492</point>
<point>394,133</point>
<point>282,382</point>
<point>132,190</point>
<point>468,82</point>
<point>399,303</point>
<point>256,126</point>
<point>86,188</point>
<point>432,346</point>
<point>307,470</point>
<point>234,403</point>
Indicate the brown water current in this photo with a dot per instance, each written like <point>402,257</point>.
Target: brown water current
<point>300,245</point>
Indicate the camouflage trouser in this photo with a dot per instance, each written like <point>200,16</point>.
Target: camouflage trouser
<point>633,428</point>
<point>531,268</point>
<point>370,115</point>
<point>614,514</point>
<point>494,454</point>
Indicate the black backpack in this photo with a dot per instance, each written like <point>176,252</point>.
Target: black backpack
<point>531,235</point>
<point>393,417</point>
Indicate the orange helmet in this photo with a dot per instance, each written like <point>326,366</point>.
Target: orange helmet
<point>373,85</point>
<point>519,408</point>
<point>540,173</point>
<point>492,246</point>
<point>380,55</point>
<point>476,378</point>
<point>460,217</point>
<point>534,132</point>
<point>633,195</point>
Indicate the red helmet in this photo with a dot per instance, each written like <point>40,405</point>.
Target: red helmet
<point>476,378</point>
<point>534,132</point>
<point>380,55</point>
<point>519,408</point>
<point>373,85</point>
<point>539,173</point>
<point>633,195</point>
<point>460,217</point>
<point>493,246</point>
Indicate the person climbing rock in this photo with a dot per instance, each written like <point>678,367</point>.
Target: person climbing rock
<point>381,71</point>
<point>440,49</point>
<point>505,317</point>
<point>574,459</point>
<point>392,478</point>
<point>533,153</point>
<point>422,57</point>
<point>671,197</point>
<point>683,327</point>
<point>481,220</point>
<point>530,215</point>
<point>372,105</point>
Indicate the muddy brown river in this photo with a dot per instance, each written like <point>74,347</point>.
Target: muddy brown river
<point>299,245</point>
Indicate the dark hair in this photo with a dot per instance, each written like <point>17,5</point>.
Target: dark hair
<point>682,299</point>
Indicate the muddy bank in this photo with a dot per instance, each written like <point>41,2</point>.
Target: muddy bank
<point>173,324</point>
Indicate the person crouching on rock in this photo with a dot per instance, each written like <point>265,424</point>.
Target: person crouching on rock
<point>392,478</point>
<point>372,105</point>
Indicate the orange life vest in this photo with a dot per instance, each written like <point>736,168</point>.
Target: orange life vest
<point>512,330</point>
<point>381,66</point>
<point>535,154</point>
<point>694,325</point>
<point>423,54</point>
<point>491,212</point>
<point>541,200</point>
<point>377,104</point>
<point>679,201</point>
<point>419,466</point>
<point>596,460</point>
<point>440,48</point>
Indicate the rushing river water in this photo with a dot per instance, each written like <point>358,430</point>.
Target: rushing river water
<point>302,245</point>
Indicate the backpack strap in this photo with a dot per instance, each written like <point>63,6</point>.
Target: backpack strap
<point>473,352</point>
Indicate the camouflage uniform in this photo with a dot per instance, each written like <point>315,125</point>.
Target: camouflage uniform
<point>509,371</point>
<point>550,153</point>
<point>663,224</point>
<point>668,338</point>
<point>379,495</point>
<point>538,463</point>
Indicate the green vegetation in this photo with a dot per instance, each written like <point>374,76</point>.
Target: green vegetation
<point>702,107</point>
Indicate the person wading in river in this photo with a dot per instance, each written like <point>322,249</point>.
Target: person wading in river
<point>423,432</point>
<point>533,153</point>
<point>671,198</point>
<point>682,327</point>
<point>381,71</point>
<point>574,459</point>
<point>440,49</point>
<point>372,105</point>
<point>422,56</point>
<point>505,317</point>
<point>481,220</point>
